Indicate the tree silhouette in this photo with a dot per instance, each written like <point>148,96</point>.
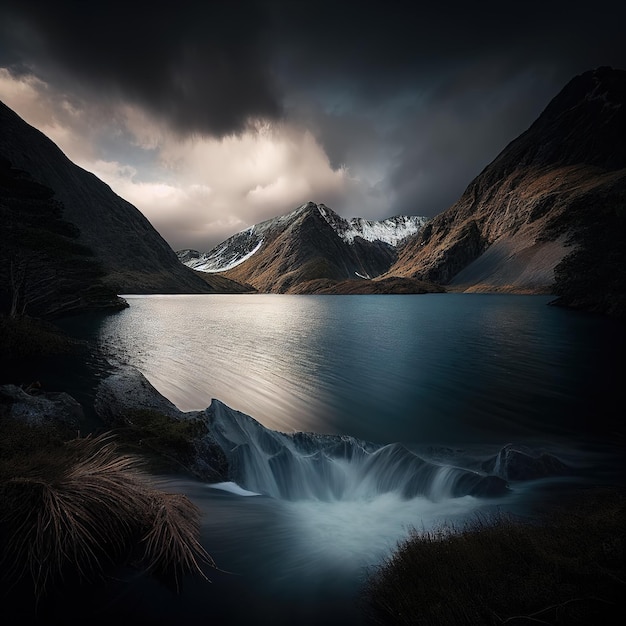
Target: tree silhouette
<point>44,270</point>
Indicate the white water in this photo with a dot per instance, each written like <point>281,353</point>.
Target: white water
<point>357,533</point>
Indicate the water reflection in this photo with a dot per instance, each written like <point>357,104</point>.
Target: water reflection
<point>436,368</point>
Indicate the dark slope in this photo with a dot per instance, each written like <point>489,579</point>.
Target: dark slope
<point>536,202</point>
<point>135,258</point>
<point>44,271</point>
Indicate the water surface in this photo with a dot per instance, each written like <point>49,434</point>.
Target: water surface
<point>436,368</point>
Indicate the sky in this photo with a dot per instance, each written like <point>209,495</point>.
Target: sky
<point>212,116</point>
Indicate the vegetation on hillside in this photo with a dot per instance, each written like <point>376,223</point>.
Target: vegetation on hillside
<point>44,271</point>
<point>593,276</point>
<point>165,443</point>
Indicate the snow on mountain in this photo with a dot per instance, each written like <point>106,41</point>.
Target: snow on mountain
<point>392,230</point>
<point>227,255</point>
<point>241,246</point>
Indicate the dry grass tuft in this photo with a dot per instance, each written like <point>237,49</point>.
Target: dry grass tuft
<point>76,508</point>
<point>567,569</point>
<point>172,545</point>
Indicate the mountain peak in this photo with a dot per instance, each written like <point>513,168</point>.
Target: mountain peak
<point>584,123</point>
<point>365,247</point>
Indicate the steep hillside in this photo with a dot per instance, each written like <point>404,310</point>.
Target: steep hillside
<point>134,257</point>
<point>310,243</point>
<point>528,209</point>
<point>44,271</point>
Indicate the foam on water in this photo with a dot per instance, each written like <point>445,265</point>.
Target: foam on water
<point>351,534</point>
<point>338,503</point>
<point>233,488</point>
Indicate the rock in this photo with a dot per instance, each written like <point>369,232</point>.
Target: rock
<point>40,408</point>
<point>486,487</point>
<point>515,463</point>
<point>128,390</point>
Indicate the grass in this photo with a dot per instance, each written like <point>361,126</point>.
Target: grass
<point>25,338</point>
<point>166,443</point>
<point>78,508</point>
<point>566,569</point>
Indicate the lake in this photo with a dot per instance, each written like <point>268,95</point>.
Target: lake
<point>436,368</point>
<point>452,377</point>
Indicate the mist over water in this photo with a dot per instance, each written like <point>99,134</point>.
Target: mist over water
<point>449,378</point>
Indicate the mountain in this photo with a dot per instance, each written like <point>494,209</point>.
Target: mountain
<point>44,271</point>
<point>294,252</point>
<point>548,214</point>
<point>133,256</point>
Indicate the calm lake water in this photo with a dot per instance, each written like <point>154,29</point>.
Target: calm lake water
<point>438,368</point>
<point>453,376</point>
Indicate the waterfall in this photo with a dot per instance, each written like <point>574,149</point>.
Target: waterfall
<point>309,466</point>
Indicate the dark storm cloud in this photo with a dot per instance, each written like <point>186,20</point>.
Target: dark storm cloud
<point>207,66</point>
<point>417,97</point>
<point>200,66</point>
<point>458,137</point>
<point>395,42</point>
<point>443,89</point>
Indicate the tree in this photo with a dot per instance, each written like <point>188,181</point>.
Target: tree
<point>44,270</point>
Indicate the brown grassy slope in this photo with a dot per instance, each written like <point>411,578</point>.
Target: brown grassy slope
<point>501,233</point>
<point>505,241</point>
<point>221,284</point>
<point>392,285</point>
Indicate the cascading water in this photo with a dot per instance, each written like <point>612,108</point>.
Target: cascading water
<point>307,466</point>
<point>342,503</point>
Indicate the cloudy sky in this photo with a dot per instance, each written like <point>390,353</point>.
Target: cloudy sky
<point>211,116</point>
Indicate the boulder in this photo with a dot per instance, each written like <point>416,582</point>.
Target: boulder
<point>128,390</point>
<point>39,408</point>
<point>521,463</point>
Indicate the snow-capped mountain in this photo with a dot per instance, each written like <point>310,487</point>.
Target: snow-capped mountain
<point>243,245</point>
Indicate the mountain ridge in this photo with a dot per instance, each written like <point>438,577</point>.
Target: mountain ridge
<point>520,218</point>
<point>134,256</point>
<point>310,243</point>
<point>546,216</point>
